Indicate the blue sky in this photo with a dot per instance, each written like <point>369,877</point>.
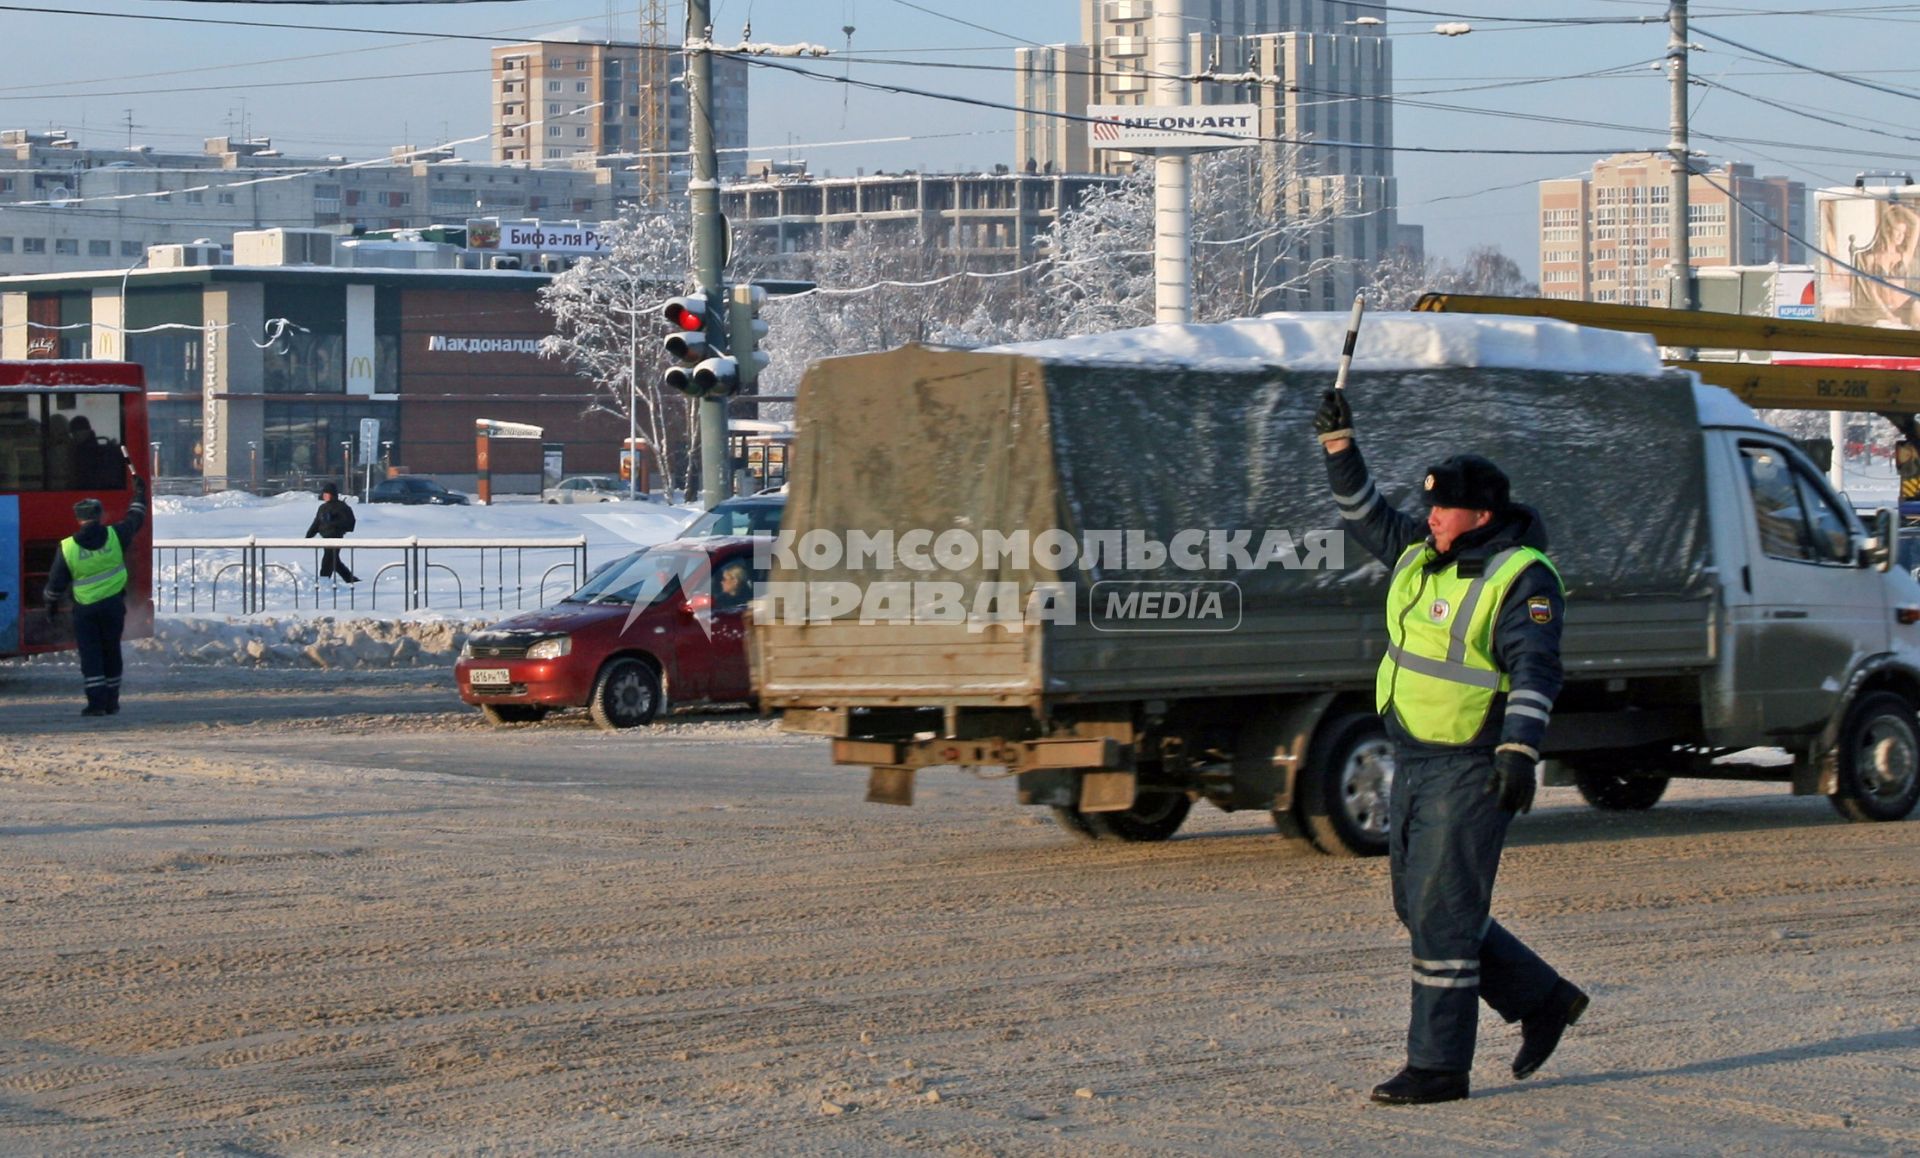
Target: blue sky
<point>82,74</point>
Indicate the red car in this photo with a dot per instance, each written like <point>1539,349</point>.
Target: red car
<point>663,627</point>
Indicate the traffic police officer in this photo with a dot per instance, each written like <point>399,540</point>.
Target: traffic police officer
<point>92,567</point>
<point>1471,672</point>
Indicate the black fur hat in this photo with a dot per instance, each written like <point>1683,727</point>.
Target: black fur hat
<point>1466,480</point>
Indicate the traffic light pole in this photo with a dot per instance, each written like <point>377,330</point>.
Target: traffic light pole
<point>707,236</point>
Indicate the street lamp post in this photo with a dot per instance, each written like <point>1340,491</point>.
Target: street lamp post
<point>633,389</point>
<point>253,466</point>
<point>142,260</point>
<point>154,470</point>
<point>346,465</point>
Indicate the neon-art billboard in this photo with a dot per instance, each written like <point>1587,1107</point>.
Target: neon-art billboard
<point>1879,237</point>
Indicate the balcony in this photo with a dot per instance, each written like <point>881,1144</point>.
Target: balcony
<point>1119,10</point>
<point>1125,47</point>
<point>1127,82</point>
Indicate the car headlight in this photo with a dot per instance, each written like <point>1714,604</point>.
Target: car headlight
<point>466,650</point>
<point>553,648</point>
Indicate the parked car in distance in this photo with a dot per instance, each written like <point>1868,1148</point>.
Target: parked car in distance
<point>586,488</point>
<point>414,491</point>
<point>661,628</point>
<point>751,515</point>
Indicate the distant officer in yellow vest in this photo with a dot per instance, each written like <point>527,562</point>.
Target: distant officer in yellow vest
<point>92,568</point>
<point>1472,669</point>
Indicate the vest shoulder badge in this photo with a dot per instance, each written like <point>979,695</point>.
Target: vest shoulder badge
<point>1540,609</point>
<point>1438,610</point>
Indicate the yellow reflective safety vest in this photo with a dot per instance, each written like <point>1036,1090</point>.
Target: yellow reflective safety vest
<point>1439,673</point>
<point>97,574</point>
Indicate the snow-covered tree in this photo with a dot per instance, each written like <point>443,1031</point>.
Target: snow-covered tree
<point>1397,282</point>
<point>606,313</point>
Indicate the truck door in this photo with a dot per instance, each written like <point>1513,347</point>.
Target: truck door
<point>1814,611</point>
<point>10,594</point>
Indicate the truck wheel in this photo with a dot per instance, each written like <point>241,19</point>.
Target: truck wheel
<point>1347,786</point>
<point>1613,792</point>
<point>626,695</point>
<point>1879,759</point>
<point>500,715</point>
<point>1074,822</point>
<point>1155,815</point>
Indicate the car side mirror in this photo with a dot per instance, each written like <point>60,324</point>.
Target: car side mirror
<point>1876,551</point>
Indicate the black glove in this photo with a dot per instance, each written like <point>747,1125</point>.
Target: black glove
<point>1513,778</point>
<point>1334,419</point>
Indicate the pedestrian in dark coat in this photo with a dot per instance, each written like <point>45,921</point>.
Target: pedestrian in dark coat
<point>1474,611</point>
<point>332,521</point>
<point>91,567</point>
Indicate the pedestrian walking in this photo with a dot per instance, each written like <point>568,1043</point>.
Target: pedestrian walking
<point>1474,609</point>
<point>91,566</point>
<point>332,521</point>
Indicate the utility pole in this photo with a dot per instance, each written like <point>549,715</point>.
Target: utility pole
<point>708,239</point>
<point>1680,293</point>
<point>1172,174</point>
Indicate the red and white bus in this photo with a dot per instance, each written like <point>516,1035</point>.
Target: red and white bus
<point>63,425</point>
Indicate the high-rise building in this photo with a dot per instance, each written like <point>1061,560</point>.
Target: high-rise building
<point>560,102</point>
<point>1320,75</point>
<point>1607,236</point>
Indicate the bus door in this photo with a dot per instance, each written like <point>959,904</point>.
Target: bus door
<point>11,597</point>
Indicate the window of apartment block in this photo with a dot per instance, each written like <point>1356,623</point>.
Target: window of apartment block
<point>553,62</point>
<point>553,86</point>
<point>129,249</point>
<point>6,245</point>
<point>553,130</point>
<point>226,198</point>
<point>579,86</point>
<point>196,197</point>
<point>67,246</point>
<point>164,198</point>
<point>553,108</point>
<point>580,132</point>
<point>552,153</point>
<point>580,65</point>
<point>99,249</point>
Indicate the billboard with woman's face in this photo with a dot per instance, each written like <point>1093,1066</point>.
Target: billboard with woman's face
<point>1879,237</point>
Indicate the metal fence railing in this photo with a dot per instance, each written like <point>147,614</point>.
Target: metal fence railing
<point>254,574</point>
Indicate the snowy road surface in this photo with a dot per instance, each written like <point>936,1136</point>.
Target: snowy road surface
<point>278,913</point>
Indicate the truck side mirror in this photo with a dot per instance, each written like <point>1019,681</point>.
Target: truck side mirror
<point>1878,549</point>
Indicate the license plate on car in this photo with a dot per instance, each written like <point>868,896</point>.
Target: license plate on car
<point>489,677</point>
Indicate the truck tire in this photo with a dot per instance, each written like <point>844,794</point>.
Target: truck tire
<point>500,715</point>
<point>626,695</point>
<point>1074,822</point>
<point>1155,815</point>
<point>1612,792</point>
<point>1347,787</point>
<point>1879,755</point>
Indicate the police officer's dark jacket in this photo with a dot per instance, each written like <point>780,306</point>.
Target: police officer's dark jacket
<point>1526,632</point>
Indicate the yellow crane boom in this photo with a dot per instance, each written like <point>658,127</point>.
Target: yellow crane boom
<point>1865,387</point>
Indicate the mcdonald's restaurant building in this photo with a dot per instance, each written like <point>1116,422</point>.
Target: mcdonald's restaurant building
<point>260,376</point>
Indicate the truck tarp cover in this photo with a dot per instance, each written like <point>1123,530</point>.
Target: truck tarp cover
<point>938,439</point>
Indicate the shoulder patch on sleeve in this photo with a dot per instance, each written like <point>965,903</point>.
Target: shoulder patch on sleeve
<point>1540,609</point>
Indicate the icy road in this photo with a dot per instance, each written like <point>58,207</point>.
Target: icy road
<point>272,913</point>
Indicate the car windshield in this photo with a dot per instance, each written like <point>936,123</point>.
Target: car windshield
<point>740,519</point>
<point>644,577</point>
<point>606,483</point>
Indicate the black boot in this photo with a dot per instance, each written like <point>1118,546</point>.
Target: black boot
<point>1417,1087</point>
<point>1540,1033</point>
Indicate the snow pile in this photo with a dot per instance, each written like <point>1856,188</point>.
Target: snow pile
<point>1388,342</point>
<point>324,642</point>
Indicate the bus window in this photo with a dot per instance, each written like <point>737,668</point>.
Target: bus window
<point>61,441</point>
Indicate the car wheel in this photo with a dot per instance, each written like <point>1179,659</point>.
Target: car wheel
<point>553,502</point>
<point>1613,792</point>
<point>501,715</point>
<point>626,695</point>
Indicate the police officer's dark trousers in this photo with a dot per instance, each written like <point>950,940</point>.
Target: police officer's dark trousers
<point>96,632</point>
<point>1446,835</point>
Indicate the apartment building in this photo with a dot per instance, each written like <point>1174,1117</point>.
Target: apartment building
<point>557,102</point>
<point>69,208</point>
<point>1607,236</point>
<point>982,221</point>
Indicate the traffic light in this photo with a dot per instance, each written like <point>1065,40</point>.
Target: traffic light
<point>696,345</point>
<point>746,329</point>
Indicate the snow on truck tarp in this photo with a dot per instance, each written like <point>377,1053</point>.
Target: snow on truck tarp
<point>1180,428</point>
<point>1388,341</point>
